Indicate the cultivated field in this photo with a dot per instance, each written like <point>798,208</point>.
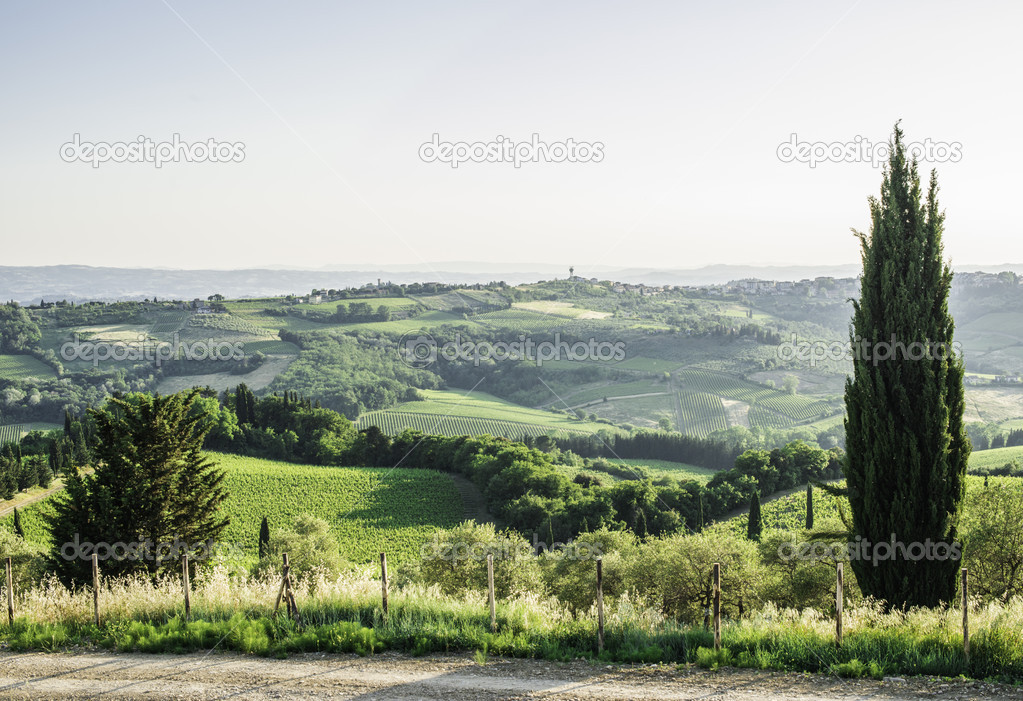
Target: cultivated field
<point>20,367</point>
<point>369,510</point>
<point>473,413</point>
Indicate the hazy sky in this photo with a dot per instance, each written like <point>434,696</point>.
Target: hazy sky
<point>687,102</point>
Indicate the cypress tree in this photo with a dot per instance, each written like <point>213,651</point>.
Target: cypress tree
<point>44,475</point>
<point>264,538</point>
<point>67,423</point>
<point>756,526</point>
<point>809,506</point>
<point>18,529</point>
<point>56,457</point>
<point>906,446</point>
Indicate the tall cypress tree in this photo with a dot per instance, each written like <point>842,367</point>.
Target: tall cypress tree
<point>906,446</point>
<point>264,538</point>
<point>756,525</point>
<point>809,506</point>
<point>19,530</point>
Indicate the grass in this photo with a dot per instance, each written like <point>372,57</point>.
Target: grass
<point>564,309</point>
<point>667,468</point>
<point>345,615</point>
<point>271,347</point>
<point>370,510</point>
<point>21,367</point>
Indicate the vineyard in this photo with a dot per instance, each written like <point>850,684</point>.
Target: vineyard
<point>761,417</point>
<point>369,509</point>
<point>20,367</point>
<point>226,322</point>
<point>12,433</point>
<point>702,413</point>
<point>523,320</point>
<point>797,408</point>
<point>169,322</point>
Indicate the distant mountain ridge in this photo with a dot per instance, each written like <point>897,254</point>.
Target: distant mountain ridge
<point>29,284</point>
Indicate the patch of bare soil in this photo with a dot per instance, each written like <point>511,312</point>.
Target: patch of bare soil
<point>737,412</point>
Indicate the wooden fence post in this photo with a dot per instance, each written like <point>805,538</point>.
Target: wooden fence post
<point>717,606</point>
<point>95,587</point>
<point>490,592</point>
<point>10,592</point>
<point>285,591</point>
<point>185,583</point>
<point>966,616</point>
<point>839,597</point>
<point>600,605</point>
<point>383,580</point>
<point>284,584</point>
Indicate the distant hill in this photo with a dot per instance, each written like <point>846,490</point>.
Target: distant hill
<point>29,284</point>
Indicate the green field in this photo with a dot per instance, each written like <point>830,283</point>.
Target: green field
<point>20,367</point>
<point>996,457</point>
<point>620,389</point>
<point>789,512</point>
<point>523,320</point>
<point>391,303</point>
<point>473,413</point>
<point>677,470</point>
<point>370,510</point>
<point>271,347</point>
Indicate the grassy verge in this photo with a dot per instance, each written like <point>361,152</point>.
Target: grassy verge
<point>345,616</point>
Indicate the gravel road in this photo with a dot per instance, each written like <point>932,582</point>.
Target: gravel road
<point>102,675</point>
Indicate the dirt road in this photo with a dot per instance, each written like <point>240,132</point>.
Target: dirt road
<point>393,676</point>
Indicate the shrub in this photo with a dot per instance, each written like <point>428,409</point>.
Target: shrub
<point>310,546</point>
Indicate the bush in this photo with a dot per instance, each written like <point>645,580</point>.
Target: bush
<point>27,559</point>
<point>456,560</point>
<point>993,541</point>
<point>676,570</point>
<point>572,574</point>
<point>310,546</point>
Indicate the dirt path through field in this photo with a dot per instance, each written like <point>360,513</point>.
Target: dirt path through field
<point>391,676</point>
